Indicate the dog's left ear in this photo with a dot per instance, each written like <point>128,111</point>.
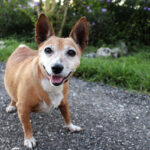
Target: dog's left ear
<point>43,29</point>
<point>79,33</point>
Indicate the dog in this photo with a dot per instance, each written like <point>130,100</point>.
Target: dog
<point>39,80</point>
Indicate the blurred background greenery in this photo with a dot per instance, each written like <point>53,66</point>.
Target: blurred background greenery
<point>109,21</point>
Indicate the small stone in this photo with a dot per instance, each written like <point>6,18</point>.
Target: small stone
<point>15,148</point>
<point>116,52</point>
<point>103,52</point>
<point>90,55</point>
<point>99,126</point>
<point>2,42</point>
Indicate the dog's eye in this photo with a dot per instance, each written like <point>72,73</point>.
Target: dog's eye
<point>48,50</point>
<point>71,53</point>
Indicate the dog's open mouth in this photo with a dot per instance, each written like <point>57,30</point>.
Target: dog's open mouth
<point>57,80</point>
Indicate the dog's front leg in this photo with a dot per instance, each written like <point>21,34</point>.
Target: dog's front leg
<point>24,116</point>
<point>64,109</point>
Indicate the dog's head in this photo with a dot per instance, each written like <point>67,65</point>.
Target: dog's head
<point>59,57</point>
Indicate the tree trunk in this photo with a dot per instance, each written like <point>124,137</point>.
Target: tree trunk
<point>66,5</point>
<point>53,5</point>
<point>39,8</point>
<point>46,6</point>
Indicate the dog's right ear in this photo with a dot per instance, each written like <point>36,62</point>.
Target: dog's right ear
<point>43,29</point>
<point>79,33</point>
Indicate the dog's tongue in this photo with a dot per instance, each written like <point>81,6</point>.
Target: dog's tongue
<point>56,79</point>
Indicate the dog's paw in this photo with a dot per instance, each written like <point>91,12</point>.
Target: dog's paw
<point>11,109</point>
<point>30,143</point>
<point>73,128</point>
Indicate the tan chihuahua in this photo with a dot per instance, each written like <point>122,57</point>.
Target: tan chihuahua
<point>38,81</point>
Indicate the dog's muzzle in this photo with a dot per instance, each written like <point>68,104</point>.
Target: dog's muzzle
<point>55,79</point>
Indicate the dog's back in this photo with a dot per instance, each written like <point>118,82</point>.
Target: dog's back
<point>17,63</point>
<point>20,54</point>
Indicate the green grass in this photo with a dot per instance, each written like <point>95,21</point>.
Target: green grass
<point>11,44</point>
<point>132,72</point>
<point>90,49</point>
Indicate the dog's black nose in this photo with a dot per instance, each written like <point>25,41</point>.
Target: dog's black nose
<point>57,68</point>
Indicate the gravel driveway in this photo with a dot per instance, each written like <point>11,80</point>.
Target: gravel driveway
<point>112,119</point>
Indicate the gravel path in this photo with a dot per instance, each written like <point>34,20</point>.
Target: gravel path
<point>112,119</point>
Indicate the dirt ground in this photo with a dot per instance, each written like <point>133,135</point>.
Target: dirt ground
<point>112,119</point>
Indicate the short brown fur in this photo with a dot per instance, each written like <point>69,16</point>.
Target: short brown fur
<point>23,73</point>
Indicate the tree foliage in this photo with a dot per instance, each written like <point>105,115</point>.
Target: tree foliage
<point>112,21</point>
<point>109,21</point>
<point>16,17</point>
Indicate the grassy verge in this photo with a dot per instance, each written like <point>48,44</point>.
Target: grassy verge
<point>132,72</point>
<point>11,44</point>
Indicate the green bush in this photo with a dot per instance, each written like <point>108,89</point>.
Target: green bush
<point>16,18</point>
<point>109,21</point>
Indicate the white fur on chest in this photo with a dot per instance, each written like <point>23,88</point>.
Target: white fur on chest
<point>55,95</point>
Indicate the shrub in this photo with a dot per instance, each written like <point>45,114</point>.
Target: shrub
<point>109,21</point>
<point>16,18</point>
